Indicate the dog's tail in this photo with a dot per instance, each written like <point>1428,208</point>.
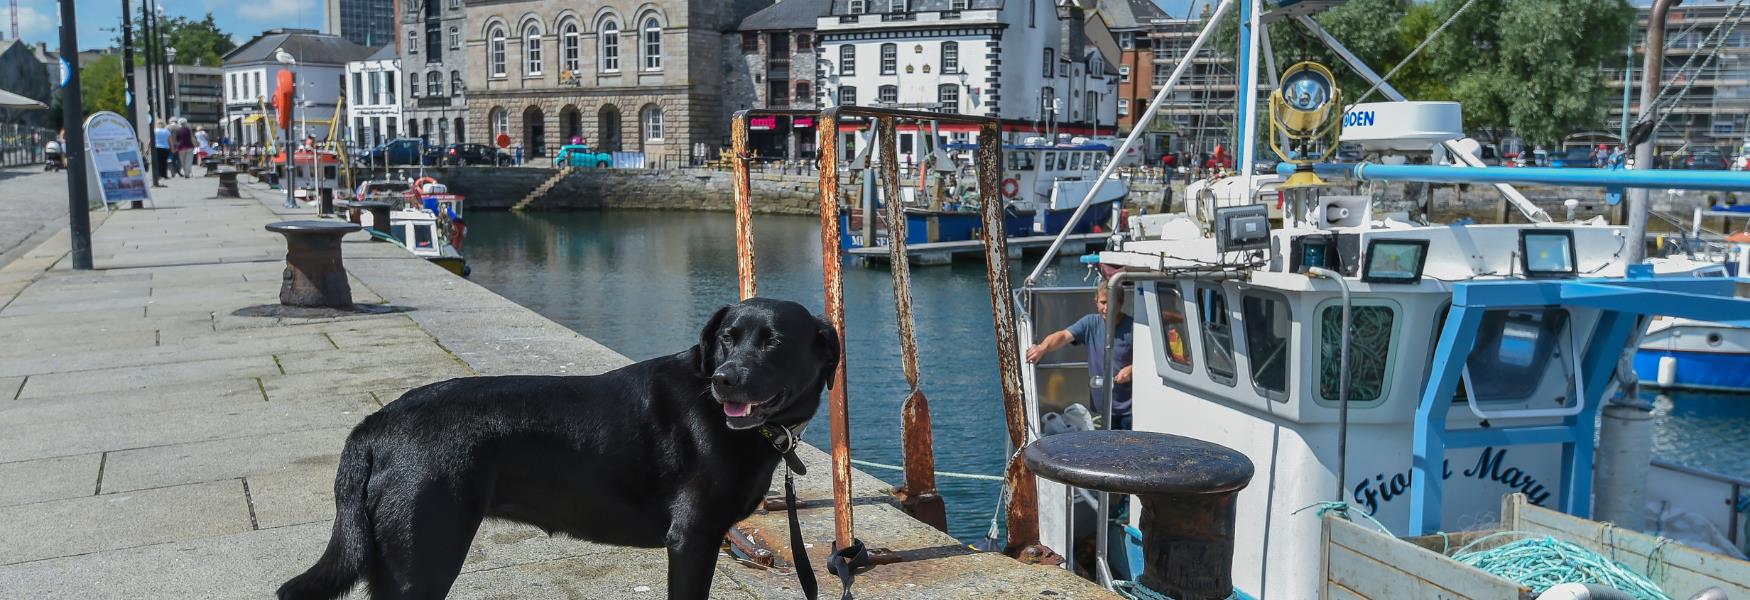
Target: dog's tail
<point>348,556</point>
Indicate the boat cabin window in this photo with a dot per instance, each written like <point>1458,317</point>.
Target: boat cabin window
<point>1049,162</point>
<point>1172,328</point>
<point>1218,338</point>
<point>1268,332</point>
<point>422,236</point>
<point>1370,351</point>
<point>1099,160</point>
<point>1063,161</point>
<point>1021,160</point>
<point>1513,348</point>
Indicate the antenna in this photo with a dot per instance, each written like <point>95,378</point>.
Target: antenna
<point>15,19</point>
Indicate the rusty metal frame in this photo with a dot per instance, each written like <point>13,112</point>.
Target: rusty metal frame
<point>918,493</point>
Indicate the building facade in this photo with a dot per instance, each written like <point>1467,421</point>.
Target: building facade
<point>1018,60</point>
<point>196,93</point>
<point>368,23</point>
<point>1200,114</point>
<point>772,65</point>
<point>251,72</point>
<point>373,102</point>
<point>1715,109</point>
<point>622,75</point>
<point>22,73</point>
<point>434,60</point>
<point>1132,23</point>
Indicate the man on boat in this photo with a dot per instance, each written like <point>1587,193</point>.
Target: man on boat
<point>1090,330</point>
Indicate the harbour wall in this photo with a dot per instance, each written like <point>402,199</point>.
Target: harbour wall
<point>794,193</point>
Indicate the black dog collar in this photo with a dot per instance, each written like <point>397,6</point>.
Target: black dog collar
<point>784,440</point>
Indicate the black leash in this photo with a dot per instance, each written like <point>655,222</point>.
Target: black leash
<point>784,441</point>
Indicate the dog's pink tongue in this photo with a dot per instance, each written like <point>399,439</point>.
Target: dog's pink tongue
<point>736,409</point>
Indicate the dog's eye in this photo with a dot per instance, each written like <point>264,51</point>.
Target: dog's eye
<point>726,338</point>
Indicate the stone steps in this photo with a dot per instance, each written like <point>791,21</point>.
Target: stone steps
<point>541,190</point>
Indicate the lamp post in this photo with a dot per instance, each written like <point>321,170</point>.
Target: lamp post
<point>170,108</point>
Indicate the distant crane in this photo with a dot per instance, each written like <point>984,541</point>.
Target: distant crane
<point>15,19</point>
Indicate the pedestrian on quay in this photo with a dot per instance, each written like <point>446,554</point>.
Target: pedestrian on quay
<point>1090,330</point>
<point>160,152</point>
<point>183,142</point>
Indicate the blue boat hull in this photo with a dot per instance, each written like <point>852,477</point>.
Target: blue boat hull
<point>1714,371</point>
<point>950,226</point>
<point>1098,215</point>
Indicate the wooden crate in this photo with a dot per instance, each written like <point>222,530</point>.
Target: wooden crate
<point>1362,563</point>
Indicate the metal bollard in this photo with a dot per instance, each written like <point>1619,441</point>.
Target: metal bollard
<point>315,275</point>
<point>1187,489</point>
<point>228,183</point>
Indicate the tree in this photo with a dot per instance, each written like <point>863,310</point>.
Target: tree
<point>196,42</point>
<point>101,87</point>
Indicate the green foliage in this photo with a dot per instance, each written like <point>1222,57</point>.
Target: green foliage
<point>196,42</point>
<point>1532,66</point>
<point>101,87</point>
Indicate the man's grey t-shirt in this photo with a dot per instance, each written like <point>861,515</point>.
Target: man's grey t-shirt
<point>1091,330</point>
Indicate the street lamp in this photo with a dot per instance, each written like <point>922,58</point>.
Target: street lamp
<point>170,83</point>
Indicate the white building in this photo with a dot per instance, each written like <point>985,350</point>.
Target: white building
<point>1019,60</point>
<point>372,105</point>
<point>251,72</point>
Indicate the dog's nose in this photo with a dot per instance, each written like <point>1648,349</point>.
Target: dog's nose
<point>726,378</point>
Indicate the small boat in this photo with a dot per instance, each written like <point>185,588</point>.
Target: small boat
<point>426,219</point>
<point>1699,355</point>
<point>315,175</point>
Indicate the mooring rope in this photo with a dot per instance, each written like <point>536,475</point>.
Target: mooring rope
<point>977,476</point>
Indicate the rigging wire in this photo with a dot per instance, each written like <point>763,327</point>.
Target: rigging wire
<point>1418,50</point>
<point>1717,44</point>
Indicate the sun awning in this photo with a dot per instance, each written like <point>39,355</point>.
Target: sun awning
<point>11,100</point>
<point>253,119</point>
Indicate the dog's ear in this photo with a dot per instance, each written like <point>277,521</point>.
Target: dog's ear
<point>705,353</point>
<point>827,339</point>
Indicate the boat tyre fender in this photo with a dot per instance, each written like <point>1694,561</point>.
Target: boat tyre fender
<point>1011,187</point>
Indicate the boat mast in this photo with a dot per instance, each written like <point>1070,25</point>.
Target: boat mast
<point>1651,73</point>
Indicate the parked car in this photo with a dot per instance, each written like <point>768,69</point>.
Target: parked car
<point>469,154</point>
<point>578,156</point>
<point>1709,159</point>
<point>399,151</point>
<point>1577,157</point>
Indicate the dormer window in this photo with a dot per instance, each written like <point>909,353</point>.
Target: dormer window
<point>898,6</point>
<point>858,7</point>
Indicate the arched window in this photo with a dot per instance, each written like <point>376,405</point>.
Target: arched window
<point>610,33</point>
<point>950,58</point>
<point>652,45</point>
<point>500,120</point>
<point>889,59</point>
<point>434,84</point>
<point>652,118</point>
<point>848,59</point>
<point>532,49</point>
<point>413,83</point>
<point>455,83</point>
<point>1050,62</point>
<point>496,50</point>
<point>455,38</point>
<point>570,49</point>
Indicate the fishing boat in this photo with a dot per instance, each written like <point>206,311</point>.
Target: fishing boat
<point>424,218</point>
<point>1369,361</point>
<point>1688,354</point>
<point>1048,181</point>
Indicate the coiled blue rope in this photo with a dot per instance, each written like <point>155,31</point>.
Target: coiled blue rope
<point>1542,562</point>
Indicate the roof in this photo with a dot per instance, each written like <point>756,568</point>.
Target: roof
<point>309,48</point>
<point>387,52</point>
<point>1130,14</point>
<point>787,14</point>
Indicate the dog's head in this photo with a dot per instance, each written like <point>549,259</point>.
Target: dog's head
<point>766,360</point>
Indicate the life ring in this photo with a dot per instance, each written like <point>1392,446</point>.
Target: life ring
<point>1011,187</point>
<point>419,185</point>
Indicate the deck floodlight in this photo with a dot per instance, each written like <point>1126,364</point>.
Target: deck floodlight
<point>1395,261</point>
<point>1303,110</point>
<point>1547,253</point>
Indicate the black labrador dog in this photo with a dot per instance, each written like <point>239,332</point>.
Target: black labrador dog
<point>670,452</point>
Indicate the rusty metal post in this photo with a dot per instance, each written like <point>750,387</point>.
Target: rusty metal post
<point>918,493</point>
<point>1023,517</point>
<point>744,265</point>
<point>832,279</point>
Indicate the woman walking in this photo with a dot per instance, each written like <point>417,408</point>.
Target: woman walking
<point>184,146</point>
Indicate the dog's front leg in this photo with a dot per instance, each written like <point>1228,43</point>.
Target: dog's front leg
<point>692,560</point>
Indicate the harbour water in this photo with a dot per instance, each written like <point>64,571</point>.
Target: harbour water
<point>642,282</point>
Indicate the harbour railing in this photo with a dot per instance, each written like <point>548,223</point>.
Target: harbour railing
<point>918,492</point>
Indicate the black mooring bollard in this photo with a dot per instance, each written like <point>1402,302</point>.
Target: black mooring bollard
<point>315,275</point>
<point>1187,489</point>
<point>228,183</point>
<point>379,215</point>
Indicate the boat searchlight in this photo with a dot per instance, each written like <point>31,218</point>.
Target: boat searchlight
<point>1302,110</point>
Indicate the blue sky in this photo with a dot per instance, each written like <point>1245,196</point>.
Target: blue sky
<point>38,19</point>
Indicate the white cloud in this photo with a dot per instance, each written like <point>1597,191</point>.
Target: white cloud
<point>302,11</point>
<point>35,21</point>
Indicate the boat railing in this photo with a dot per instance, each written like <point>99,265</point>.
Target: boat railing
<point>1728,489</point>
<point>917,494</point>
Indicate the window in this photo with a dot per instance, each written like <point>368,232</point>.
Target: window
<point>750,42</point>
<point>358,89</point>
<point>1050,62</point>
<point>802,94</point>
<point>1047,101</point>
<point>1370,335</point>
<point>778,47</point>
<point>652,45</point>
<point>848,59</point>
<point>413,83</point>
<point>1268,329</point>
<point>570,48</point>
<point>258,92</point>
<point>1127,40</point>
<point>434,42</point>
<point>887,94</point>
<point>1124,73</point>
<point>496,43</point>
<point>1512,350</point>
<point>889,59</point>
<point>1172,331</point>
<point>778,93</point>
<point>455,83</point>
<point>804,43</point>
<point>532,49</point>
<point>610,58</point>
<point>1123,107</point>
<point>413,42</point>
<point>455,38</point>
<point>652,123</point>
<point>898,6</point>
<point>434,84</point>
<point>950,58</point>
<point>455,4</point>
<point>1032,13</point>
<point>500,120</point>
<point>957,5</point>
<point>388,87</point>
<point>1091,106</point>
<point>847,96</point>
<point>1161,74</point>
<point>231,79</point>
<point>948,98</point>
<point>1218,337</point>
<point>858,7</point>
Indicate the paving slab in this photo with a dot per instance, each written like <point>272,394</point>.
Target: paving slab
<point>49,479</point>
<point>178,426</point>
<point>110,521</point>
<point>231,458</point>
<point>42,410</point>
<point>127,378</point>
<point>211,348</point>
<point>9,387</point>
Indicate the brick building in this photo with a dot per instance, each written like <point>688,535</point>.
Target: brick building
<point>772,65</point>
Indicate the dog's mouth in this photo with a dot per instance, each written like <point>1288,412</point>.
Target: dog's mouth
<point>740,414</point>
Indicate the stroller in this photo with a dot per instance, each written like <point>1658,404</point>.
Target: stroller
<point>52,158</point>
